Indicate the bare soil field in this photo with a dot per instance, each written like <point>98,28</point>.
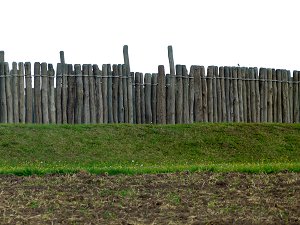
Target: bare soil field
<point>178,198</point>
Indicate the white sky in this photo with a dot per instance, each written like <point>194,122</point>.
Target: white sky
<point>203,32</point>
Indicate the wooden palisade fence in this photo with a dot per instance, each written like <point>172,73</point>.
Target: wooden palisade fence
<point>76,94</point>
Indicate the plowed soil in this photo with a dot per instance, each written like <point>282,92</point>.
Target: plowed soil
<point>178,198</point>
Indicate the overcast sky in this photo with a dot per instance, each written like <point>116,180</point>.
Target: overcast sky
<point>263,33</point>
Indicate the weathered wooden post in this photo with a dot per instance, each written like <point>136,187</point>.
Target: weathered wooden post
<point>296,96</point>
<point>171,89</point>
<point>9,100</point>
<point>279,96</point>
<point>125,93</point>
<point>86,95</point>
<point>185,82</point>
<point>223,94</point>
<point>2,56</point>
<point>290,94</point>
<point>104,93</point>
<point>236,112</point>
<point>227,92</point>
<point>126,57</point>
<point>240,93</point>
<point>92,93</point>
<point>257,95</point>
<point>219,96</point>
<point>79,94</point>
<point>148,108</point>
<point>210,99</point>
<point>214,94</point>
<point>3,106</point>
<point>115,89</point>
<point>37,93</point>
<point>137,98</point>
<point>58,93</point>
<point>44,93</point>
<point>253,97</point>
<point>21,93</point>
<point>141,86</point>
<point>71,95</point>
<point>51,97</point>
<point>109,94</point>
<point>204,94</point>
<point>130,94</point>
<point>15,94</point>
<point>179,95</point>
<point>248,94</point>
<point>198,94</point>
<point>191,95</point>
<point>285,98</point>
<point>64,100</point>
<point>121,95</point>
<point>28,93</point>
<point>161,96</point>
<point>99,98</point>
<point>270,96</point>
<point>274,95</point>
<point>154,97</point>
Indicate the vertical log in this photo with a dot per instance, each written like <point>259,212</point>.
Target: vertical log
<point>21,92</point>
<point>274,95</point>
<point>223,95</point>
<point>141,86</point>
<point>126,57</point>
<point>79,94</point>
<point>44,94</point>
<point>15,92</point>
<point>296,96</point>
<point>198,94</point>
<point>58,93</point>
<point>236,111</point>
<point>115,89</point>
<point>253,97</point>
<point>227,92</point>
<point>240,93</point>
<point>244,94</point>
<point>231,94</point>
<point>125,94</point>
<point>219,97</point>
<point>92,94</point>
<point>3,106</point>
<point>285,99</point>
<point>270,96</point>
<point>185,82</point>
<point>134,86</point>
<point>161,96</point>
<point>2,56</point>
<point>279,96</point>
<point>257,95</point>
<point>137,98</point>
<point>148,108</point>
<point>248,92</point>
<point>51,97</point>
<point>171,60</point>
<point>291,103</point>
<point>121,95</point>
<point>104,93</point>
<point>28,92</point>
<point>37,93</point>
<point>204,95</point>
<point>62,57</point>
<point>210,72</point>
<point>129,93</point>
<point>86,95</point>
<point>9,100</point>
<point>264,94</point>
<point>179,95</point>
<point>154,97</point>
<point>109,94</point>
<point>99,100</point>
<point>214,93</point>
<point>191,95</point>
<point>171,90</point>
<point>64,100</point>
<point>71,95</point>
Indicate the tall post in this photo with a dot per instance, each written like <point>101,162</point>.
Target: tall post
<point>126,57</point>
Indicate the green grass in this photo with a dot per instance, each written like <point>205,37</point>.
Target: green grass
<point>132,149</point>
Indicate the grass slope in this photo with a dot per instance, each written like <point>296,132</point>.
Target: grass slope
<point>130,149</point>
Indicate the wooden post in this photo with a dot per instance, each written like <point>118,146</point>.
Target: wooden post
<point>109,94</point>
<point>58,93</point>
<point>125,93</point>
<point>37,93</point>
<point>92,94</point>
<point>171,60</point>
<point>214,93</point>
<point>270,96</point>
<point>126,57</point>
<point>9,100</point>
<point>141,86</point>
<point>279,96</point>
<point>257,96</point>
<point>86,95</point>
<point>28,92</point>
<point>248,93</point>
<point>231,94</point>
<point>2,56</point>
<point>223,95</point>
<point>264,94</point>
<point>204,94</point>
<point>51,97</point>
<point>121,95</point>
<point>210,72</point>
<point>236,112</point>
<point>253,97</point>
<point>79,95</point>
<point>62,57</point>
<point>104,93</point>
<point>21,93</point>
<point>274,95</point>
<point>191,95</point>
<point>219,96</point>
<point>185,81</point>
<point>244,94</point>
<point>64,100</point>
<point>285,99</point>
<point>198,94</point>
<point>291,102</point>
<point>148,108</point>
<point>3,106</point>
<point>154,97</point>
<point>71,95</point>
<point>171,89</point>
<point>44,94</point>
<point>115,89</point>
<point>179,95</point>
<point>15,94</point>
<point>99,98</point>
<point>227,92</point>
<point>161,96</point>
<point>296,96</point>
<point>129,92</point>
<point>240,93</point>
<point>137,98</point>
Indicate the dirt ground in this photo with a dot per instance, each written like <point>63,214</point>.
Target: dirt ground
<point>180,198</point>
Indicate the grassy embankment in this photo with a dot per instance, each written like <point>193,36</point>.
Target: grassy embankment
<point>131,149</point>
